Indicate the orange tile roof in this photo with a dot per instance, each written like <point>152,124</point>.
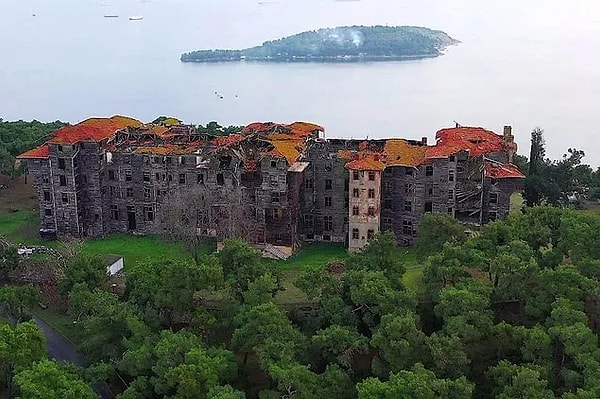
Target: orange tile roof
<point>289,149</point>
<point>92,129</point>
<point>502,171</point>
<point>345,154</point>
<point>477,140</point>
<point>167,149</point>
<point>400,152</point>
<point>42,151</point>
<point>225,141</point>
<point>366,162</point>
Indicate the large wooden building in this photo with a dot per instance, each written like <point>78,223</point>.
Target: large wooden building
<point>273,184</point>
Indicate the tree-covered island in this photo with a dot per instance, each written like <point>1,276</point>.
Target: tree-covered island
<point>347,43</point>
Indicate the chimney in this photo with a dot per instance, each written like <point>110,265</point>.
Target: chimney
<point>424,140</point>
<point>507,131</point>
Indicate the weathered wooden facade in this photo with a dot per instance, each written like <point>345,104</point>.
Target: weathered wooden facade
<point>281,184</point>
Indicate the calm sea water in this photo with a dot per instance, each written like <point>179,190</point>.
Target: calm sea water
<point>533,64</point>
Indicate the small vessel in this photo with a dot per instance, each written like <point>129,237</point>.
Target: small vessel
<point>136,18</point>
<point>111,16</point>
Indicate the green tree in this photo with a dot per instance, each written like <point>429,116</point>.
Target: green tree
<point>9,260</point>
<point>380,254</point>
<point>519,381</point>
<point>436,229</point>
<point>88,269</point>
<point>17,300</point>
<point>338,344</point>
<point>48,380</point>
<point>448,356</point>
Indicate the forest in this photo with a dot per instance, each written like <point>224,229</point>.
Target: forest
<point>341,43</point>
<point>509,312</point>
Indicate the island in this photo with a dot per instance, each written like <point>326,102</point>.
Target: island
<point>345,43</point>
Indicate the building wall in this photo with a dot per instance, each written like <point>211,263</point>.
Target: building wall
<point>364,210</point>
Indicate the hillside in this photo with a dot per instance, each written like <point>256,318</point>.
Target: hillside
<point>347,43</point>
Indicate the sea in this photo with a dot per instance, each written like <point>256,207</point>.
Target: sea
<point>524,63</point>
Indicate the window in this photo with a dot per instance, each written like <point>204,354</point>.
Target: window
<point>61,163</point>
<point>220,179</point>
<point>327,201</point>
<point>168,160</point>
<point>84,179</point>
<point>273,163</point>
<point>371,176</point>
<point>492,216</point>
<point>371,193</point>
<point>59,147</point>
<point>371,211</point>
<point>128,175</point>
<point>328,166</point>
<point>308,183</point>
<point>169,177</point>
<point>273,179</point>
<point>407,227</point>
<point>387,186</point>
<point>450,175</point>
<point>346,185</point>
<point>355,175</point>
<point>355,234</point>
<point>275,198</point>
<point>182,178</point>
<point>308,221</point>
<point>48,212</point>
<point>355,193</point>
<point>493,198</point>
<point>430,191</point>
<point>370,234</point>
<point>408,189</point>
<point>408,171</point>
<point>47,196</point>
<point>451,158</point>
<point>387,204</point>
<point>181,160</point>
<point>310,236</point>
<point>146,176</point>
<point>450,211</point>
<point>114,212</point>
<point>327,223</point>
<point>326,237</point>
<point>65,198</point>
<point>45,179</point>
<point>111,174</point>
<point>129,192</point>
<point>200,178</point>
<point>328,184</point>
<point>387,224</point>
<point>147,192</point>
<point>429,206</point>
<point>112,190</point>
<point>429,170</point>
<point>63,180</point>
<point>408,206</point>
<point>148,213</point>
<point>276,214</point>
<point>355,211</point>
<point>451,194</point>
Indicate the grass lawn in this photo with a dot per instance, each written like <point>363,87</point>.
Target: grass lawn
<point>516,203</point>
<point>63,323</point>
<point>314,255</point>
<point>19,218</point>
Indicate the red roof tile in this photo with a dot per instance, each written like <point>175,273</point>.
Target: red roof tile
<point>502,171</point>
<point>477,140</point>
<point>92,129</point>
<point>42,151</point>
<point>366,162</point>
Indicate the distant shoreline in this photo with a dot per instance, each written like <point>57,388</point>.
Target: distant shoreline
<point>342,59</point>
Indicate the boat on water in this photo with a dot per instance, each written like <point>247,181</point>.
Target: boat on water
<point>111,16</point>
<point>136,18</point>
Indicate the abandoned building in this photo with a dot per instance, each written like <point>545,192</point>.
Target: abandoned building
<point>269,183</point>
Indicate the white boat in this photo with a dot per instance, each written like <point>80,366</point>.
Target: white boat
<point>136,18</point>
<point>111,16</point>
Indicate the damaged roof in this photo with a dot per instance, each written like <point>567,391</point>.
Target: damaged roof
<point>497,170</point>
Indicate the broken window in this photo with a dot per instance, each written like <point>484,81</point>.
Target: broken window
<point>429,206</point>
<point>355,234</point>
<point>84,179</point>
<point>128,175</point>
<point>430,190</point>
<point>276,214</point>
<point>355,174</point>
<point>328,184</point>
<point>370,234</point>
<point>355,193</point>
<point>387,204</point>
<point>407,227</point>
<point>451,158</point>
<point>129,192</point>
<point>327,223</point>
<point>328,166</point>
<point>371,176</point>
<point>450,211</point>
<point>182,178</point>
<point>114,212</point>
<point>273,163</point>
<point>147,192</point>
<point>493,198</point>
<point>48,212</point>
<point>181,160</point>
<point>112,190</point>
<point>45,179</point>
<point>408,206</point>
<point>492,216</point>
<point>275,197</point>
<point>148,213</point>
<point>65,198</point>
<point>327,201</point>
<point>371,211</point>
<point>371,193</point>
<point>168,160</point>
<point>111,174</point>
<point>200,178</point>
<point>273,179</point>
<point>62,180</point>
<point>450,175</point>
<point>429,170</point>
<point>309,183</point>
<point>451,194</point>
<point>408,171</point>
<point>387,186</point>
<point>47,196</point>
<point>408,189</point>
<point>308,221</point>
<point>355,211</point>
<point>146,176</point>
<point>61,163</point>
<point>220,179</point>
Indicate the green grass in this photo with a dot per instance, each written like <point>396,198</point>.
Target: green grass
<point>19,226</point>
<point>135,248</point>
<point>516,203</point>
<point>63,323</point>
<point>314,255</point>
<point>413,279</point>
